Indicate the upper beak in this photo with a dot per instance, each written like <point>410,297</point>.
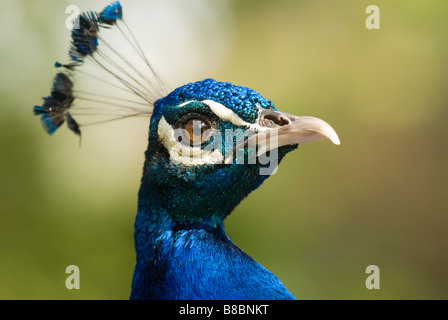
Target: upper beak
<point>291,130</point>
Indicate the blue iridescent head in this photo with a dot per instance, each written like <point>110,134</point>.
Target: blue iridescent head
<point>205,150</point>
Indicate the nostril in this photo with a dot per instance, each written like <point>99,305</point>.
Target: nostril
<point>284,120</point>
<point>274,119</point>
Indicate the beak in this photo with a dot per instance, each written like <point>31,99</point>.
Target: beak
<point>293,130</point>
<point>278,129</point>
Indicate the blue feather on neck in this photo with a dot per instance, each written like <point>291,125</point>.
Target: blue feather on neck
<point>197,261</point>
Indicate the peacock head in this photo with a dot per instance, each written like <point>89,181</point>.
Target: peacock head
<point>212,143</point>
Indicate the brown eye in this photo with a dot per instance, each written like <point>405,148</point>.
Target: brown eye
<point>197,131</point>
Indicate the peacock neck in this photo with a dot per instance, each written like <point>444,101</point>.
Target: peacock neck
<point>155,222</point>
<point>193,258</point>
<point>165,249</point>
<point>195,261</point>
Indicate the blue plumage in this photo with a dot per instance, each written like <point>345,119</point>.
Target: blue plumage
<point>84,36</point>
<point>62,89</point>
<point>239,99</point>
<point>207,148</point>
<point>54,111</point>
<point>111,14</point>
<point>200,262</point>
<point>52,116</point>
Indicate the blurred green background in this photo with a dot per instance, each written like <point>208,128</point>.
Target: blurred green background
<point>381,198</point>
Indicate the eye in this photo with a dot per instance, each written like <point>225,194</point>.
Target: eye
<point>197,131</point>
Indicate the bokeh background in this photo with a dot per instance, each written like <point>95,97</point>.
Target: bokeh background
<point>381,198</point>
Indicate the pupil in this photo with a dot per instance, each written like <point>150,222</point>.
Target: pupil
<point>195,129</point>
<point>198,128</point>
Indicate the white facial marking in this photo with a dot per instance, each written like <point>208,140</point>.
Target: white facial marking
<point>226,114</point>
<point>192,156</point>
<point>181,153</point>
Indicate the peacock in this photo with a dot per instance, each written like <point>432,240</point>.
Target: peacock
<point>210,144</point>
